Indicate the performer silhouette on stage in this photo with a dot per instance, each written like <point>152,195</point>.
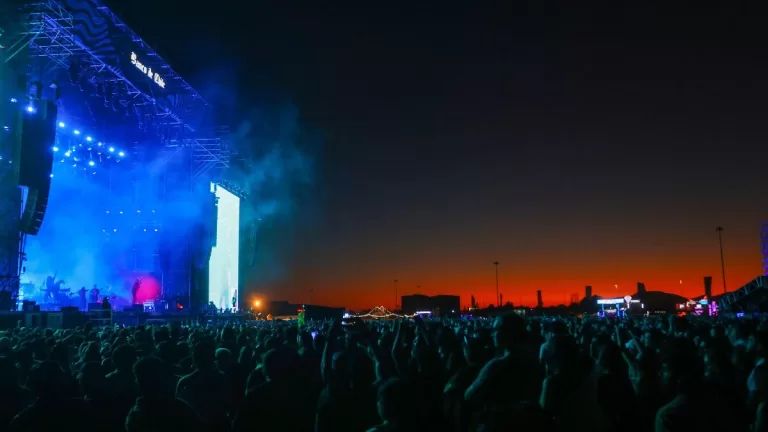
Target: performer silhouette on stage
<point>52,288</point>
<point>95,294</point>
<point>83,302</point>
<point>135,289</point>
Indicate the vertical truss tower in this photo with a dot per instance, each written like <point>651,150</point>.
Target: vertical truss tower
<point>764,241</point>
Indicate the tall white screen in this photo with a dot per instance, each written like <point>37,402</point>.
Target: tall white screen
<point>225,256</point>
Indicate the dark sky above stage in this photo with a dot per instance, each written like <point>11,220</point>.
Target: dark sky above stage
<point>576,146</point>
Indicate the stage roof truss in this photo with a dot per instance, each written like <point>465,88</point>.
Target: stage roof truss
<point>49,36</point>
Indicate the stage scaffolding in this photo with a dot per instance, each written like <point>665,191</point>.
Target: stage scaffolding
<point>48,37</point>
<point>50,43</point>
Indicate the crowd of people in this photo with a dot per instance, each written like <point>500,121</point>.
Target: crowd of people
<point>504,374</point>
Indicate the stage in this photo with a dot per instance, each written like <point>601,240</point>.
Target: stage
<point>117,169</point>
<point>73,319</point>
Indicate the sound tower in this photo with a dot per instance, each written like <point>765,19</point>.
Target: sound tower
<point>38,134</point>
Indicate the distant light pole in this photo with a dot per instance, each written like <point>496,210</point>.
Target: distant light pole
<point>395,294</point>
<point>722,256</point>
<point>498,301</point>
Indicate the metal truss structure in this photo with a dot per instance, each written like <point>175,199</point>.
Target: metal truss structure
<point>758,284</point>
<point>51,44</point>
<point>10,243</point>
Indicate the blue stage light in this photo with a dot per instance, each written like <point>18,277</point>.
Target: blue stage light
<point>14,100</point>
<point>30,109</point>
<point>6,128</point>
<point>77,132</point>
<point>115,230</point>
<point>55,148</point>
<point>99,143</point>
<point>155,229</point>
<point>61,124</point>
<point>51,175</point>
<point>68,153</point>
<point>88,139</point>
<point>91,163</point>
<point>121,154</point>
<point>111,149</point>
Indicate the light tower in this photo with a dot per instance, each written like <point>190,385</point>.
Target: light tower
<point>719,231</point>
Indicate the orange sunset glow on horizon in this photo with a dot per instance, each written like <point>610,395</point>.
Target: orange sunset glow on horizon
<point>674,270</point>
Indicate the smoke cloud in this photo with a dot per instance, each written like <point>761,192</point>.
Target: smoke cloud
<point>276,169</point>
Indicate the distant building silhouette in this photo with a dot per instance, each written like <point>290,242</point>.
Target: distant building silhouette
<point>640,288</point>
<point>440,304</point>
<point>539,303</point>
<point>284,308</point>
<point>588,292</point>
<point>708,286</point>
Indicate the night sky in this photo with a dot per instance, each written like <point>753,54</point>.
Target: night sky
<point>577,147</point>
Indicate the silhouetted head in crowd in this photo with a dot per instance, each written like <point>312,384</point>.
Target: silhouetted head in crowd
<point>395,402</point>
<point>7,373</point>
<point>652,339</point>
<point>305,340</point>
<point>124,357</point>
<point>225,359</point>
<point>509,330</point>
<point>6,346</point>
<point>92,352</point>
<point>280,364</point>
<point>474,351</point>
<point>25,357</point>
<point>564,356</point>
<point>204,355</point>
<point>165,350</point>
<point>681,367</point>
<point>154,378</point>
<point>290,334</point>
<point>91,379</point>
<point>160,334</point>
<point>46,380</point>
<point>60,354</point>
<point>758,343</point>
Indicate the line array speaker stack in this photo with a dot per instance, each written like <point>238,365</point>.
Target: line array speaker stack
<point>38,134</point>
